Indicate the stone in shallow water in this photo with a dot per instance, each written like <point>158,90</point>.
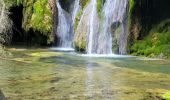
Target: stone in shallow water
<point>2,97</point>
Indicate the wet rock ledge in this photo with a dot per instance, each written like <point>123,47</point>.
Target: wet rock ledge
<point>2,97</point>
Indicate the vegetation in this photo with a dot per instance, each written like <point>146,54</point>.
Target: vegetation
<point>157,43</point>
<point>149,29</point>
<point>39,19</point>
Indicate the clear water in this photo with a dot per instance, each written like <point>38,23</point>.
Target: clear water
<point>35,74</point>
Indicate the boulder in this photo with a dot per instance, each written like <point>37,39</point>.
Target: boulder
<point>2,97</point>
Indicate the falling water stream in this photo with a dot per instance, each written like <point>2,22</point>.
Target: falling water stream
<point>64,30</point>
<point>91,25</point>
<point>99,35</point>
<point>75,10</point>
<point>113,11</point>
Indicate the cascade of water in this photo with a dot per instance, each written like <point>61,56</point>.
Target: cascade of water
<point>90,45</point>
<point>113,11</point>
<point>75,10</point>
<point>64,32</point>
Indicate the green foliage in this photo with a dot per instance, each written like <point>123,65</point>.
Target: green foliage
<point>38,17</point>
<point>131,7</point>
<point>131,4</point>
<point>156,43</point>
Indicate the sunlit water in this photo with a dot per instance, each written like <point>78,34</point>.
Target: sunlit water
<point>47,75</point>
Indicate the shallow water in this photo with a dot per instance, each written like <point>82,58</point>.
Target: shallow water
<point>38,74</point>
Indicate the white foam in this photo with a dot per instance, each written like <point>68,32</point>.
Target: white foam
<point>62,49</point>
<point>105,55</point>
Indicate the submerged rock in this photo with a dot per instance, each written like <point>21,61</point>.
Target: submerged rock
<point>2,97</point>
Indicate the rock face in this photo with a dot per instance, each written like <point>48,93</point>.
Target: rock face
<point>2,97</point>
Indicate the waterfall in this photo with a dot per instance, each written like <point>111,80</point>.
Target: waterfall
<point>87,30</point>
<point>113,11</point>
<point>64,28</point>
<point>91,27</point>
<point>107,33</point>
<point>75,10</point>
